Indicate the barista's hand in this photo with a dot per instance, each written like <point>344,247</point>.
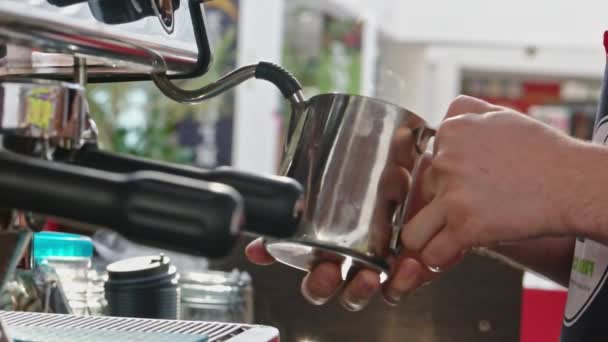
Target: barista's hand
<point>325,280</point>
<point>498,176</point>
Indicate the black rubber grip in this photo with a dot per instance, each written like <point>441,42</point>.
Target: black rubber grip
<point>166,211</point>
<point>271,203</point>
<point>277,75</point>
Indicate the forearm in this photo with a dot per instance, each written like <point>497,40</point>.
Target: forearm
<point>585,190</point>
<point>581,199</point>
<point>550,257</point>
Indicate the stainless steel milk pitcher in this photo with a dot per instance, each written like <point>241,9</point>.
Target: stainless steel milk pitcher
<point>354,156</point>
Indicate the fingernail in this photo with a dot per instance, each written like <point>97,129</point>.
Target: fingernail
<point>401,286</point>
<point>435,269</point>
<point>353,304</point>
<point>392,297</point>
<point>314,300</point>
<point>395,300</point>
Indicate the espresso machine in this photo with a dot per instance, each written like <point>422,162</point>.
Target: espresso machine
<point>52,167</point>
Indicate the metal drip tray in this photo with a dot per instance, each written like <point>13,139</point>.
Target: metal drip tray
<point>68,328</point>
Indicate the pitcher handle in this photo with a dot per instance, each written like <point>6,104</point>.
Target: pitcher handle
<point>404,212</point>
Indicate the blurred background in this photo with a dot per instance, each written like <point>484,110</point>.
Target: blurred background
<point>543,58</point>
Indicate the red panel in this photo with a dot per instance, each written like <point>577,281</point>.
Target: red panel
<point>532,93</point>
<point>542,315</point>
<point>519,105</point>
<point>550,89</point>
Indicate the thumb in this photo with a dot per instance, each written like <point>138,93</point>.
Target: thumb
<point>256,253</point>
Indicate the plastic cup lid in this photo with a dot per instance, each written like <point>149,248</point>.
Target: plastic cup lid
<point>140,267</point>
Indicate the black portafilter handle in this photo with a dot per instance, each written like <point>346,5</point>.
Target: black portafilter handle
<point>165,211</point>
<point>272,203</point>
<point>65,3</point>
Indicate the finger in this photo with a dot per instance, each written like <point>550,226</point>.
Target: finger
<point>360,290</point>
<point>427,184</point>
<point>423,184</point>
<point>408,275</point>
<point>443,251</point>
<point>423,227</point>
<point>394,184</point>
<point>256,252</point>
<point>470,105</point>
<point>392,191</point>
<point>321,283</point>
<point>422,188</point>
<point>402,152</point>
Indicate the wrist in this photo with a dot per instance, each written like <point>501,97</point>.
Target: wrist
<point>585,190</point>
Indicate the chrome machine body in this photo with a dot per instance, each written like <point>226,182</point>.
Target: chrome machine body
<point>50,164</point>
<point>54,112</point>
<point>127,40</point>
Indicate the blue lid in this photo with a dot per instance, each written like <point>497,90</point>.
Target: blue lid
<point>53,244</point>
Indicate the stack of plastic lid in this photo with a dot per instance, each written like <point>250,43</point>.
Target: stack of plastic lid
<point>60,245</point>
<point>143,287</point>
<point>70,256</point>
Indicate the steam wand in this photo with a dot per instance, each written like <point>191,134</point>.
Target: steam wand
<point>273,73</point>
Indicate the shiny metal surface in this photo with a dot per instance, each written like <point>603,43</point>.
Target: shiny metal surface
<point>13,246</point>
<point>215,332</point>
<point>207,92</point>
<point>43,37</point>
<point>166,13</point>
<point>47,110</point>
<point>354,155</point>
<point>298,105</point>
<point>229,81</point>
<point>5,336</point>
<point>217,297</point>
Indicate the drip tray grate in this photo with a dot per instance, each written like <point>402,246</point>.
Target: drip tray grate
<point>39,327</point>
